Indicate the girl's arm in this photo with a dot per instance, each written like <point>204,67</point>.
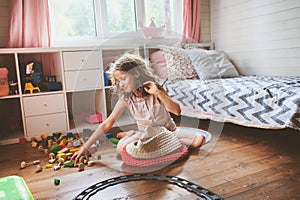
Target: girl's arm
<point>103,128</point>
<point>106,125</point>
<point>161,93</point>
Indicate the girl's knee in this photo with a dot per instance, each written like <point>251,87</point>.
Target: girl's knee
<point>123,134</point>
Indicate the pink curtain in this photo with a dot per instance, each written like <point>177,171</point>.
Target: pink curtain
<point>30,27</point>
<point>191,21</point>
<point>29,23</point>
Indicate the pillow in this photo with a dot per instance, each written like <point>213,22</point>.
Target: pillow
<point>178,63</point>
<point>192,46</point>
<point>211,64</point>
<point>226,68</point>
<point>159,65</point>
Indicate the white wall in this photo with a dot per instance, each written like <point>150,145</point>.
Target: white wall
<point>262,37</point>
<point>205,21</point>
<point>4,23</point>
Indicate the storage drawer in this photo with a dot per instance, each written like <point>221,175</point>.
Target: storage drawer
<point>83,80</point>
<point>81,60</point>
<point>50,123</point>
<point>46,104</point>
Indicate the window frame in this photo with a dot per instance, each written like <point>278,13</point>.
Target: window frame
<point>103,34</point>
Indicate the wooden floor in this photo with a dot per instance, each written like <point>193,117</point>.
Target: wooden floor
<point>242,163</point>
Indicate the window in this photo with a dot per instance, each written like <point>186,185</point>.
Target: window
<point>73,18</point>
<point>102,19</point>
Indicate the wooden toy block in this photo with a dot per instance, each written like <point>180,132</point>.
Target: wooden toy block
<point>41,148</point>
<point>69,155</point>
<point>47,166</point>
<point>61,155</point>
<point>56,167</point>
<point>90,163</point>
<point>114,140</point>
<point>55,148</point>
<point>64,150</point>
<point>69,163</point>
<point>56,181</point>
<point>26,164</point>
<point>81,167</point>
<point>51,155</point>
<point>61,161</point>
<point>39,168</point>
<point>51,161</point>
<point>74,150</point>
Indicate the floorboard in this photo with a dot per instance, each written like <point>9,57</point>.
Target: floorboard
<point>243,163</point>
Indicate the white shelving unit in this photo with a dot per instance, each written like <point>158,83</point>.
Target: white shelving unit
<point>80,72</point>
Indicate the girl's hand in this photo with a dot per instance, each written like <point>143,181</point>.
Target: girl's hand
<point>82,152</point>
<point>150,87</point>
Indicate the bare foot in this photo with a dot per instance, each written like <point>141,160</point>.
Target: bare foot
<point>123,134</point>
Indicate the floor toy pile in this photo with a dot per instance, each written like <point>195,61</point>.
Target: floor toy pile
<point>60,147</point>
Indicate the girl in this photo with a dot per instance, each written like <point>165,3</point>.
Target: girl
<point>147,101</point>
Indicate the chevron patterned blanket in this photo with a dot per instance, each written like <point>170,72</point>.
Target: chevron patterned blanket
<point>254,101</point>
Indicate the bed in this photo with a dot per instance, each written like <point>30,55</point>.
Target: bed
<point>208,86</point>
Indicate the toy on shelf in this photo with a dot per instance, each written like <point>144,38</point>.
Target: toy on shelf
<point>30,88</point>
<point>51,84</point>
<point>4,87</point>
<point>107,82</point>
<point>94,118</point>
<point>31,77</point>
<point>13,87</point>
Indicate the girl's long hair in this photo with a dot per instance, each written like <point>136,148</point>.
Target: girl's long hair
<point>131,63</point>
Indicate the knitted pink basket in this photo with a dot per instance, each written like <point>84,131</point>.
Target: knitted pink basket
<point>163,160</point>
<point>156,146</point>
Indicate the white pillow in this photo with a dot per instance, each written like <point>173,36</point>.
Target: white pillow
<point>211,64</point>
<point>226,68</point>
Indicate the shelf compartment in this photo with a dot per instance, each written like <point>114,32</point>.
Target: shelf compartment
<point>43,70</point>
<point>83,104</point>
<point>11,125</point>
<point>8,61</point>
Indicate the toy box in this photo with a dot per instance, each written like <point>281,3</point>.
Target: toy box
<point>14,187</point>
